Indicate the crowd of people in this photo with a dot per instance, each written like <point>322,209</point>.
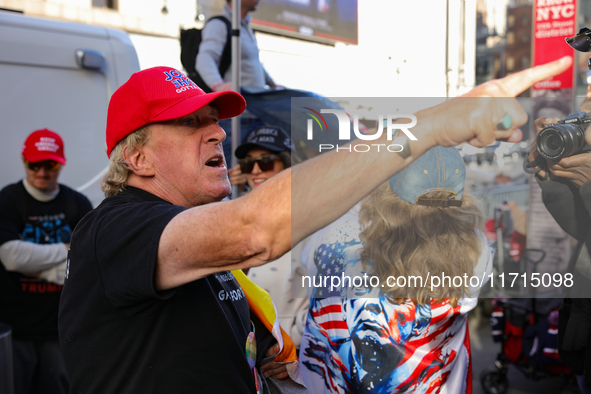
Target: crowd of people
<point>171,287</point>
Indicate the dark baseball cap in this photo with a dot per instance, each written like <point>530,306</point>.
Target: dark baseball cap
<point>269,137</point>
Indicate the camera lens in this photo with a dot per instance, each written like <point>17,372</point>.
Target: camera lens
<point>560,140</point>
<point>550,143</point>
<point>554,142</point>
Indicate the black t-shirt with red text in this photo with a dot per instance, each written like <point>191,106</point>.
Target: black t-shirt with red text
<point>119,335</point>
<point>28,304</point>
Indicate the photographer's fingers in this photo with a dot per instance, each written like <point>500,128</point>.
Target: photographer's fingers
<point>560,172</point>
<point>576,169</point>
<point>576,177</point>
<point>582,160</point>
<point>543,122</point>
<point>562,164</point>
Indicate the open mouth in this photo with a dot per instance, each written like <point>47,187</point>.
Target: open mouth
<point>216,161</point>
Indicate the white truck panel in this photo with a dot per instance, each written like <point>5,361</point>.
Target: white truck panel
<point>43,86</point>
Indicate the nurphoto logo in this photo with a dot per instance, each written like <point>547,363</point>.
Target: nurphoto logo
<point>385,123</point>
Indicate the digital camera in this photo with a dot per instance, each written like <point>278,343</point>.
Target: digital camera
<point>565,138</point>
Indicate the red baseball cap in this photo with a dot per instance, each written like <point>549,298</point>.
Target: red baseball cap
<point>161,93</point>
<point>44,145</point>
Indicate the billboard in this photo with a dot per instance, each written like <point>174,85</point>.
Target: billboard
<point>326,21</point>
<point>554,21</point>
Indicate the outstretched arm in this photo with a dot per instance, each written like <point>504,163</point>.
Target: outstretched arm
<point>263,225</point>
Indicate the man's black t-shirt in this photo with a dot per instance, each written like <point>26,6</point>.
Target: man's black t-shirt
<point>28,304</point>
<point>119,335</point>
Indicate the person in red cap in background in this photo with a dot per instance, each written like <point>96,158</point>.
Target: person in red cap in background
<point>37,216</point>
<point>151,301</point>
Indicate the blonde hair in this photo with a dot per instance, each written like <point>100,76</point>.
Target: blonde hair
<point>402,239</point>
<point>115,179</point>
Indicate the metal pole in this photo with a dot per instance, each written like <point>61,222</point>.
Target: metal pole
<point>235,81</point>
<point>447,48</point>
<point>6,368</point>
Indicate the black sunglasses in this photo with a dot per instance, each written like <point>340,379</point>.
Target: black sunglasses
<point>266,163</point>
<point>49,165</point>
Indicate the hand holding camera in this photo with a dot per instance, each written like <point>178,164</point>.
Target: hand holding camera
<point>576,169</point>
<point>564,138</point>
<point>560,150</point>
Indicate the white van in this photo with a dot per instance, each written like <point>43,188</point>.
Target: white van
<point>60,75</point>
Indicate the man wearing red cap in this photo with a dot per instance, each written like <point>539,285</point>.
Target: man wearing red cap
<point>149,303</point>
<point>37,216</point>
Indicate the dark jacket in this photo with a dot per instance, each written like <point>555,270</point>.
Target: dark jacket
<point>570,207</point>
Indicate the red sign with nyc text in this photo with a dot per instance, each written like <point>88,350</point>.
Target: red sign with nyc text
<point>554,20</point>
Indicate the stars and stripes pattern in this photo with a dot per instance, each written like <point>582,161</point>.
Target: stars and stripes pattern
<point>339,356</point>
<point>331,318</point>
<point>371,345</point>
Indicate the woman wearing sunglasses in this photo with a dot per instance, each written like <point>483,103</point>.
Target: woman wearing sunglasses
<point>266,152</point>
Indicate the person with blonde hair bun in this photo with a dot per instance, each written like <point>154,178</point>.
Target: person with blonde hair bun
<point>396,326</point>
